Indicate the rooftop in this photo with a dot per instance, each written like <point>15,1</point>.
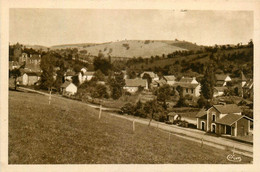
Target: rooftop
<point>228,108</point>
<point>221,77</point>
<point>135,82</point>
<point>201,113</point>
<point>170,77</point>
<point>65,84</point>
<point>230,119</point>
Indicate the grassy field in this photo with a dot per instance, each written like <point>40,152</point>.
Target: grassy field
<point>69,132</point>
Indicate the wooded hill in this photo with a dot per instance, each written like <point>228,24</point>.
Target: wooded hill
<point>229,60</point>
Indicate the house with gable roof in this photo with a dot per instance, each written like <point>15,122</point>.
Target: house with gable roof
<point>68,88</point>
<point>132,85</point>
<point>30,78</point>
<point>221,80</point>
<point>190,86</point>
<point>169,79</point>
<point>224,119</point>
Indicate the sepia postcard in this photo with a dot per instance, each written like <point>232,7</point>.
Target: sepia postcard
<point>129,86</point>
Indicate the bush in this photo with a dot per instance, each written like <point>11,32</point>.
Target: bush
<point>128,108</point>
<point>202,102</point>
<point>182,102</point>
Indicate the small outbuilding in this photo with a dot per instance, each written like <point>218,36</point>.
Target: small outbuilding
<point>172,116</point>
<point>68,88</point>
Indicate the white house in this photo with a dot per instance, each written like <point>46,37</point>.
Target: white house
<point>30,78</point>
<point>68,88</point>
<point>132,85</point>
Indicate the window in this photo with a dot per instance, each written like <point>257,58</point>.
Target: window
<point>192,90</point>
<point>214,117</point>
<point>187,90</point>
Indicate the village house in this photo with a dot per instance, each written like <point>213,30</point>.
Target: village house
<point>132,85</point>
<point>35,59</point>
<point>190,86</point>
<point>68,88</point>
<point>224,119</point>
<point>221,80</point>
<point>169,79</point>
<point>153,75</point>
<point>69,74</point>
<point>30,78</point>
<point>219,91</point>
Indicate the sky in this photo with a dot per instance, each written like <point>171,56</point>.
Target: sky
<point>49,27</point>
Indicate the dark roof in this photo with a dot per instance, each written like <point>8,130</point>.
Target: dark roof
<point>220,88</point>
<point>186,80</point>
<point>220,77</point>
<point>220,83</point>
<point>65,84</point>
<point>201,113</point>
<point>89,73</point>
<point>135,82</point>
<point>227,108</point>
<point>172,114</point>
<point>70,73</point>
<point>243,78</point>
<point>32,74</point>
<point>231,119</point>
<point>169,77</point>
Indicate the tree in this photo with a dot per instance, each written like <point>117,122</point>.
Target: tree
<point>15,73</point>
<point>98,76</point>
<point>102,64</point>
<point>148,78</point>
<point>163,94</point>
<point>100,91</point>
<point>60,74</point>
<point>116,84</point>
<point>207,83</point>
<point>47,68</point>
<point>131,73</point>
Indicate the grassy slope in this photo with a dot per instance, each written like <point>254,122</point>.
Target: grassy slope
<point>69,132</point>
<point>137,48</point>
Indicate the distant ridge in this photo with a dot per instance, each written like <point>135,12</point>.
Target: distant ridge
<point>132,48</point>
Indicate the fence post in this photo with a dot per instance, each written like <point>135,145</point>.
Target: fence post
<point>100,111</point>
<point>133,125</point>
<point>50,98</point>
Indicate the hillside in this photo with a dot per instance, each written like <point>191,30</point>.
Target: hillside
<point>228,61</point>
<point>69,132</point>
<point>133,48</point>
